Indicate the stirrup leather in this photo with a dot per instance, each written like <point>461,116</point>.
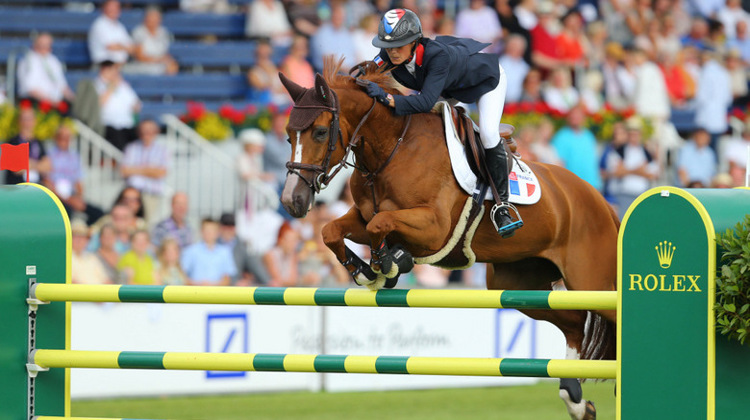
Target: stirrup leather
<point>511,227</point>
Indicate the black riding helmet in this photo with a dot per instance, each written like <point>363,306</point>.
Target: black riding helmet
<point>398,28</point>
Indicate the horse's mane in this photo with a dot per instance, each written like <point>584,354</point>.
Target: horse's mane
<point>332,74</point>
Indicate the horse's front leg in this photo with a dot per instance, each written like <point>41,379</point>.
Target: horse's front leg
<point>350,226</point>
<point>419,227</point>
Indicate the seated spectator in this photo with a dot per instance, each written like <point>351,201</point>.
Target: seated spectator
<point>145,166</point>
<point>363,35</point>
<point>263,78</point>
<point>532,87</point>
<point>541,147</point>
<point>151,47</point>
<point>132,198</point>
<point>295,65</point>
<point>615,92</point>
<point>572,43</point>
<point>108,38</point>
<point>40,74</point>
<point>175,226</point>
<point>136,265</point>
<point>118,105</point>
<point>741,41</point>
<point>208,263</point>
<point>515,67</point>
<point>205,6</point>
<point>39,163</point>
<point>304,16</point>
<point>631,168</point>
<point>576,146</point>
<point>712,98</point>
<point>85,267</point>
<point>619,139</point>
<point>168,271</point>
<point>650,97</point>
<point>591,91</point>
<point>545,54</point>
<point>319,267</point>
<point>730,15</point>
<point>260,191</point>
<point>696,161</point>
<point>559,94</point>
<point>738,78</point>
<point>124,223</point>
<point>282,260</point>
<point>250,268</point>
<point>335,38</point>
<point>65,177</point>
<point>735,155</point>
<point>480,22</point>
<point>109,252</point>
<point>680,84</point>
<point>698,34</point>
<point>267,19</point>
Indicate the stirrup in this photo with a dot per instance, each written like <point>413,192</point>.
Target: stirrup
<point>508,230</point>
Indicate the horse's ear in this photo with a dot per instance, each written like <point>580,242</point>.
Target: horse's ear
<point>323,91</point>
<point>296,91</point>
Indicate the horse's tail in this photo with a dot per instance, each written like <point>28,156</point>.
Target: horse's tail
<point>600,338</point>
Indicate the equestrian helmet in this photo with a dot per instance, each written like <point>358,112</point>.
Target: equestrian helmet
<point>398,28</point>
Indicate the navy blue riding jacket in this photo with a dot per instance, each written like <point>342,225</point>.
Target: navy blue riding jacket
<point>446,66</point>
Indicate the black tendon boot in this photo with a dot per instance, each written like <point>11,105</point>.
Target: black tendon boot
<point>497,166</point>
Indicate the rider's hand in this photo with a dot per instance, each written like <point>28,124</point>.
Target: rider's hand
<point>378,93</point>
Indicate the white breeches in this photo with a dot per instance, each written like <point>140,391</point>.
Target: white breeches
<point>490,107</point>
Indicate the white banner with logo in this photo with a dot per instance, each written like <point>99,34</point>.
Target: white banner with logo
<point>297,330</point>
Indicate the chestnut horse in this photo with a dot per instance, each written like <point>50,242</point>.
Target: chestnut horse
<point>406,196</point>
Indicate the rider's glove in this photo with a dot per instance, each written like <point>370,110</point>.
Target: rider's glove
<point>378,93</point>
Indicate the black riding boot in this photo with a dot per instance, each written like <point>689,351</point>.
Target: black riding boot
<point>497,166</point>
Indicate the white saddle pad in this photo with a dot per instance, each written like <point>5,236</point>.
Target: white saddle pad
<point>523,185</point>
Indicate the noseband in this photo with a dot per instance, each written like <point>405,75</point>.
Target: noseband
<point>321,176</point>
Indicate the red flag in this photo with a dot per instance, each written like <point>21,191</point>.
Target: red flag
<point>15,158</point>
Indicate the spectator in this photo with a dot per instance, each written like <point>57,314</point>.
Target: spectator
<point>572,43</point>
<point>705,8</point>
<point>259,192</point>
<point>151,46</point>
<point>118,105</point>
<point>333,37</point>
<point>650,97</point>
<point>65,177</point>
<point>619,139</point>
<point>363,35</point>
<point>277,150</point>
<point>40,74</point>
<point>630,167</point>
<point>319,267</point>
<point>205,6</point>
<point>597,39</point>
<point>145,166</point>
<point>282,260</point>
<point>481,23</point>
<point>263,78</point>
<point>730,15</point>
<point>615,92</point>
<point>669,38</point>
<point>108,38</point>
<point>39,163</point>
<point>175,226</point>
<point>576,147</point>
<point>136,265</point>
<point>696,161</point>
<point>108,252</point>
<point>267,19</point>
<point>735,156</point>
<point>85,267</point>
<point>696,38</point>
<point>304,16</point>
<point>525,14</point>
<point>591,91</point>
<point>250,268</point>
<point>168,271</point>
<point>124,223</point>
<point>541,147</point>
<point>560,95</point>
<point>532,87</point>
<point>545,52</point>
<point>132,198</point>
<point>295,65</point>
<point>723,180</point>
<point>741,41</point>
<point>712,98</point>
<point>208,263</point>
<point>738,78</point>
<point>679,83</point>
<point>515,67</point>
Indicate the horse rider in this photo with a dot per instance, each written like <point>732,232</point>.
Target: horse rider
<point>452,68</point>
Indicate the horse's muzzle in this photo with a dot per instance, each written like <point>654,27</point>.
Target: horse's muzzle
<point>297,197</point>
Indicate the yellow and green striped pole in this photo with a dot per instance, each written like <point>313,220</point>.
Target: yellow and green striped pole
<point>418,298</point>
<point>260,362</point>
<point>80,418</point>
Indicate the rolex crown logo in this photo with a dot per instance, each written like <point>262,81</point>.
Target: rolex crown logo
<point>665,252</point>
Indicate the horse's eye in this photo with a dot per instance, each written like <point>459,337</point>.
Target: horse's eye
<point>320,134</point>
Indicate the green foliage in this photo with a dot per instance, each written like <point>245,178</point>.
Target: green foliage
<point>733,283</point>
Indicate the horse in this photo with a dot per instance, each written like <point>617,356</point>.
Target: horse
<point>408,202</point>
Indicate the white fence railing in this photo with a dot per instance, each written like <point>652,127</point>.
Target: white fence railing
<point>102,181</point>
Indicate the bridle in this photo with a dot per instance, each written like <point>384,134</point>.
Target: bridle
<point>321,176</point>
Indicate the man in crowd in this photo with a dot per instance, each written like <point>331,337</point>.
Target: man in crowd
<point>175,226</point>
<point>118,105</point>
<point>208,263</point>
<point>40,74</point>
<point>250,268</point>
<point>144,167</point>
<point>108,38</point>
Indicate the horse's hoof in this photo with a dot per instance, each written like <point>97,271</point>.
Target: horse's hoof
<point>378,284</point>
<point>590,411</point>
<point>390,282</point>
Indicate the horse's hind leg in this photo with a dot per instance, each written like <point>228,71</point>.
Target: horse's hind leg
<point>540,274</point>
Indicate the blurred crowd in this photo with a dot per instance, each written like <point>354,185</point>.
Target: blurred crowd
<point>569,61</point>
